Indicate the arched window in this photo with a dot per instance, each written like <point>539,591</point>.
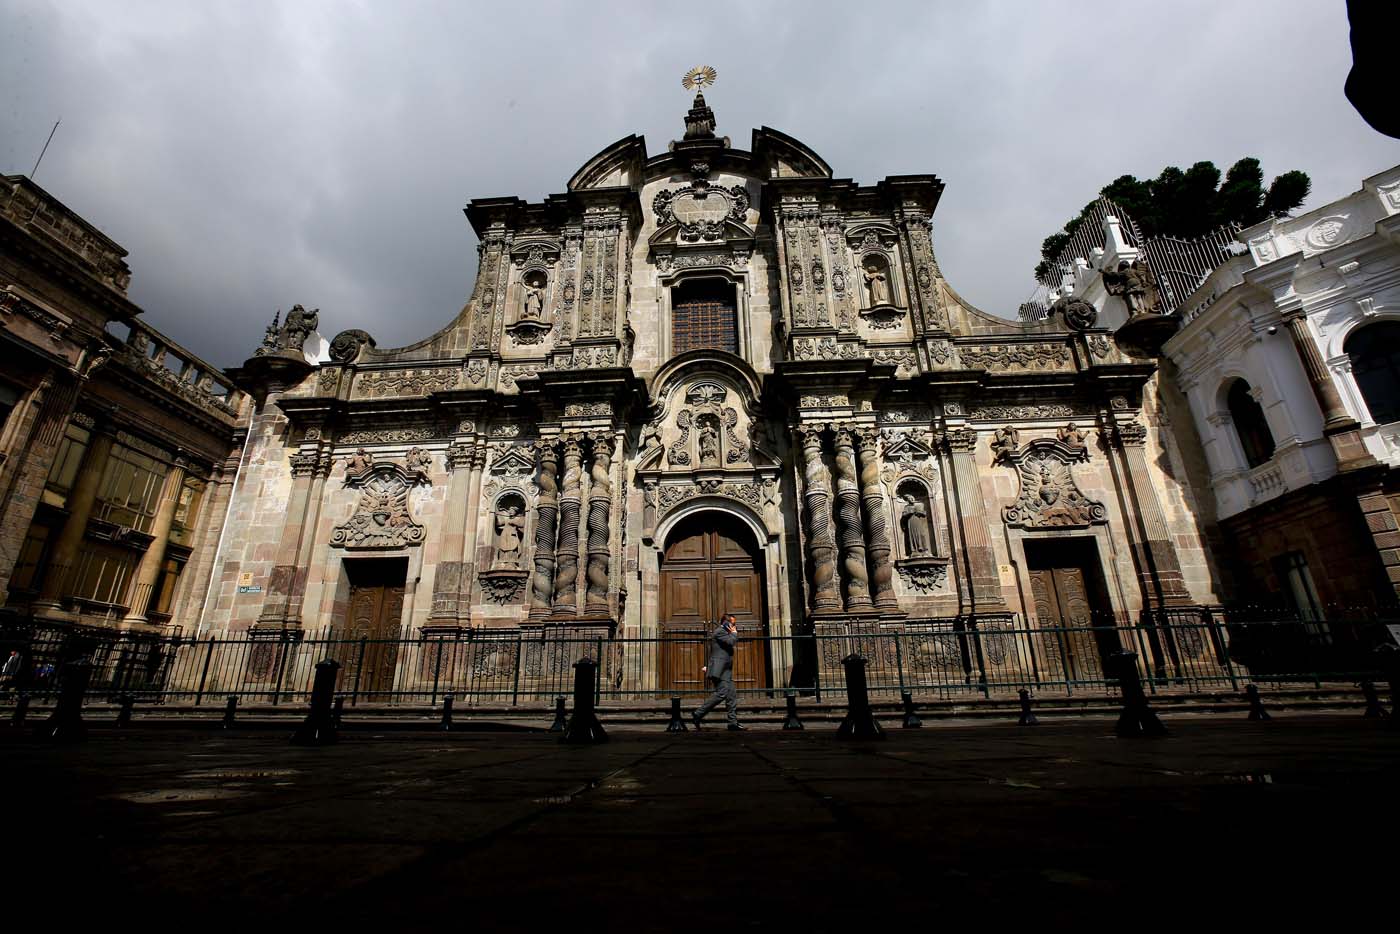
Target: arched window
<point>704,315</point>
<point>1250,424</point>
<point>1375,363</point>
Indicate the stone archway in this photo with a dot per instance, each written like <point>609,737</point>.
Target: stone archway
<point>711,564</point>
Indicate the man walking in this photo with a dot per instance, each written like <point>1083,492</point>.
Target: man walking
<point>720,673</point>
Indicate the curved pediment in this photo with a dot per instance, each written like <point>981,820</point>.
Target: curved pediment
<point>785,157</point>
<point>704,417</point>
<point>616,166</point>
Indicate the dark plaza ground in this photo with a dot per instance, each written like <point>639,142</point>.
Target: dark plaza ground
<point>1057,825</point>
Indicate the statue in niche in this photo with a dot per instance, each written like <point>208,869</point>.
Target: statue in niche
<point>510,531</point>
<point>709,442</point>
<point>533,308</point>
<point>1134,283</point>
<point>1005,443</point>
<point>877,282</point>
<point>1071,435</point>
<point>359,463</point>
<point>917,541</point>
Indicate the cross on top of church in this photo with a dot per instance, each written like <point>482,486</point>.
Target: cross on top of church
<point>700,121</point>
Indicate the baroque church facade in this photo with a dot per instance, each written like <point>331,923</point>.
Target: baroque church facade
<point>702,381</point>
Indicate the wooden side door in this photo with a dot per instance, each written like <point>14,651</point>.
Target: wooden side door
<point>1067,598</point>
<point>373,620</point>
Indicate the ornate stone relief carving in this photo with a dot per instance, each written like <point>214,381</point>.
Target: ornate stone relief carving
<point>404,382</point>
<point>1099,346</point>
<point>755,494</point>
<point>1018,412</point>
<point>923,575</point>
<point>382,518</point>
<point>1049,497</point>
<point>700,210</point>
<point>679,453</point>
<point>347,345</point>
<point>737,451</point>
<point>581,409</point>
<point>1078,314</point>
<point>388,435</point>
<point>1017,356</point>
<point>902,359</point>
<point>824,401</point>
<point>916,414</point>
<point>825,348</point>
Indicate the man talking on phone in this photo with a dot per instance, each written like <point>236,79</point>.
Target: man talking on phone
<point>720,673</point>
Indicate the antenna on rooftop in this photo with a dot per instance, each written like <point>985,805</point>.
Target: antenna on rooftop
<point>45,149</point>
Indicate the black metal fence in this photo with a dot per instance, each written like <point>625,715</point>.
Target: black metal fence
<point>990,656</point>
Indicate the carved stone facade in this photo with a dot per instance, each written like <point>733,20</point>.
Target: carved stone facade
<point>835,410</point>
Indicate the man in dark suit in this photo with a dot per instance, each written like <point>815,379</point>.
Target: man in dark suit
<point>720,673</point>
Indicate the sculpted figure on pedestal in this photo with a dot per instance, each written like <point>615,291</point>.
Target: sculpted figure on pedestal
<point>877,283</point>
<point>916,534</point>
<point>1135,284</point>
<point>534,301</point>
<point>510,529</point>
<point>1071,435</point>
<point>1005,443</point>
<point>709,442</point>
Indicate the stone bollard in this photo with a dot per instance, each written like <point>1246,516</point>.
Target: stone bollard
<point>447,700</point>
<point>1374,710</point>
<point>1027,718</point>
<point>318,729</point>
<point>230,706</point>
<point>127,702</point>
<point>860,721</point>
<point>1389,657</point>
<point>911,719</point>
<point>65,724</point>
<point>338,711</point>
<point>583,725</point>
<point>1137,718</point>
<point>1256,703</point>
<point>677,724</point>
<point>791,722</point>
<point>21,709</point>
<point>561,721</point>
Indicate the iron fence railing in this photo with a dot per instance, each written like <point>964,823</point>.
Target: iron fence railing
<point>990,656</point>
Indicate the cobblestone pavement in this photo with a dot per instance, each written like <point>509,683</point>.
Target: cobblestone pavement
<point>1060,825</point>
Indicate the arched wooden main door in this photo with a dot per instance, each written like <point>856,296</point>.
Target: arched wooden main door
<point>711,566</point>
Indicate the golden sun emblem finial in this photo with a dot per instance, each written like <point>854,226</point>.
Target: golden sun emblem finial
<point>701,76</point>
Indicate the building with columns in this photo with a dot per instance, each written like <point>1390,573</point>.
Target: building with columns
<point>1289,358</point>
<point>708,380</point>
<point>118,447</point>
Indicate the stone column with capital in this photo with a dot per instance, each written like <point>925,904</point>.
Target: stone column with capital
<point>447,576</point>
<point>27,450</point>
<point>600,525</point>
<point>144,580</point>
<point>546,523</point>
<point>287,582</point>
<point>1339,427</point>
<point>877,536</point>
<point>1158,567</point>
<point>848,523</point>
<point>821,545</point>
<point>64,555</point>
<point>566,550</point>
<point>984,582</point>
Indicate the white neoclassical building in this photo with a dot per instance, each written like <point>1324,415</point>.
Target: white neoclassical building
<point>1289,357</point>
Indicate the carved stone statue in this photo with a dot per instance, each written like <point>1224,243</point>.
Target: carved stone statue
<point>916,532</point>
<point>359,463</point>
<point>1071,435</point>
<point>1135,284</point>
<point>709,442</point>
<point>651,437</point>
<point>534,301</point>
<point>510,530</point>
<point>298,327</point>
<point>877,283</point>
<point>418,459</point>
<point>1007,440</point>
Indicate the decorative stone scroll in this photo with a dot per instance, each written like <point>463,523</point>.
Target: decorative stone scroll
<point>699,210</point>
<point>1049,497</point>
<point>755,494</point>
<point>382,518</point>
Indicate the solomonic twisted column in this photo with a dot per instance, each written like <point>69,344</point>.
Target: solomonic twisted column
<point>547,515</point>
<point>877,536</point>
<point>821,545</point>
<point>848,525</point>
<point>599,524</point>
<point>566,552</point>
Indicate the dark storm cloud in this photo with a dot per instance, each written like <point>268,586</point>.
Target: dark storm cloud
<point>253,155</point>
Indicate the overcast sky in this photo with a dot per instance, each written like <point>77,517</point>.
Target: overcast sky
<point>253,155</point>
